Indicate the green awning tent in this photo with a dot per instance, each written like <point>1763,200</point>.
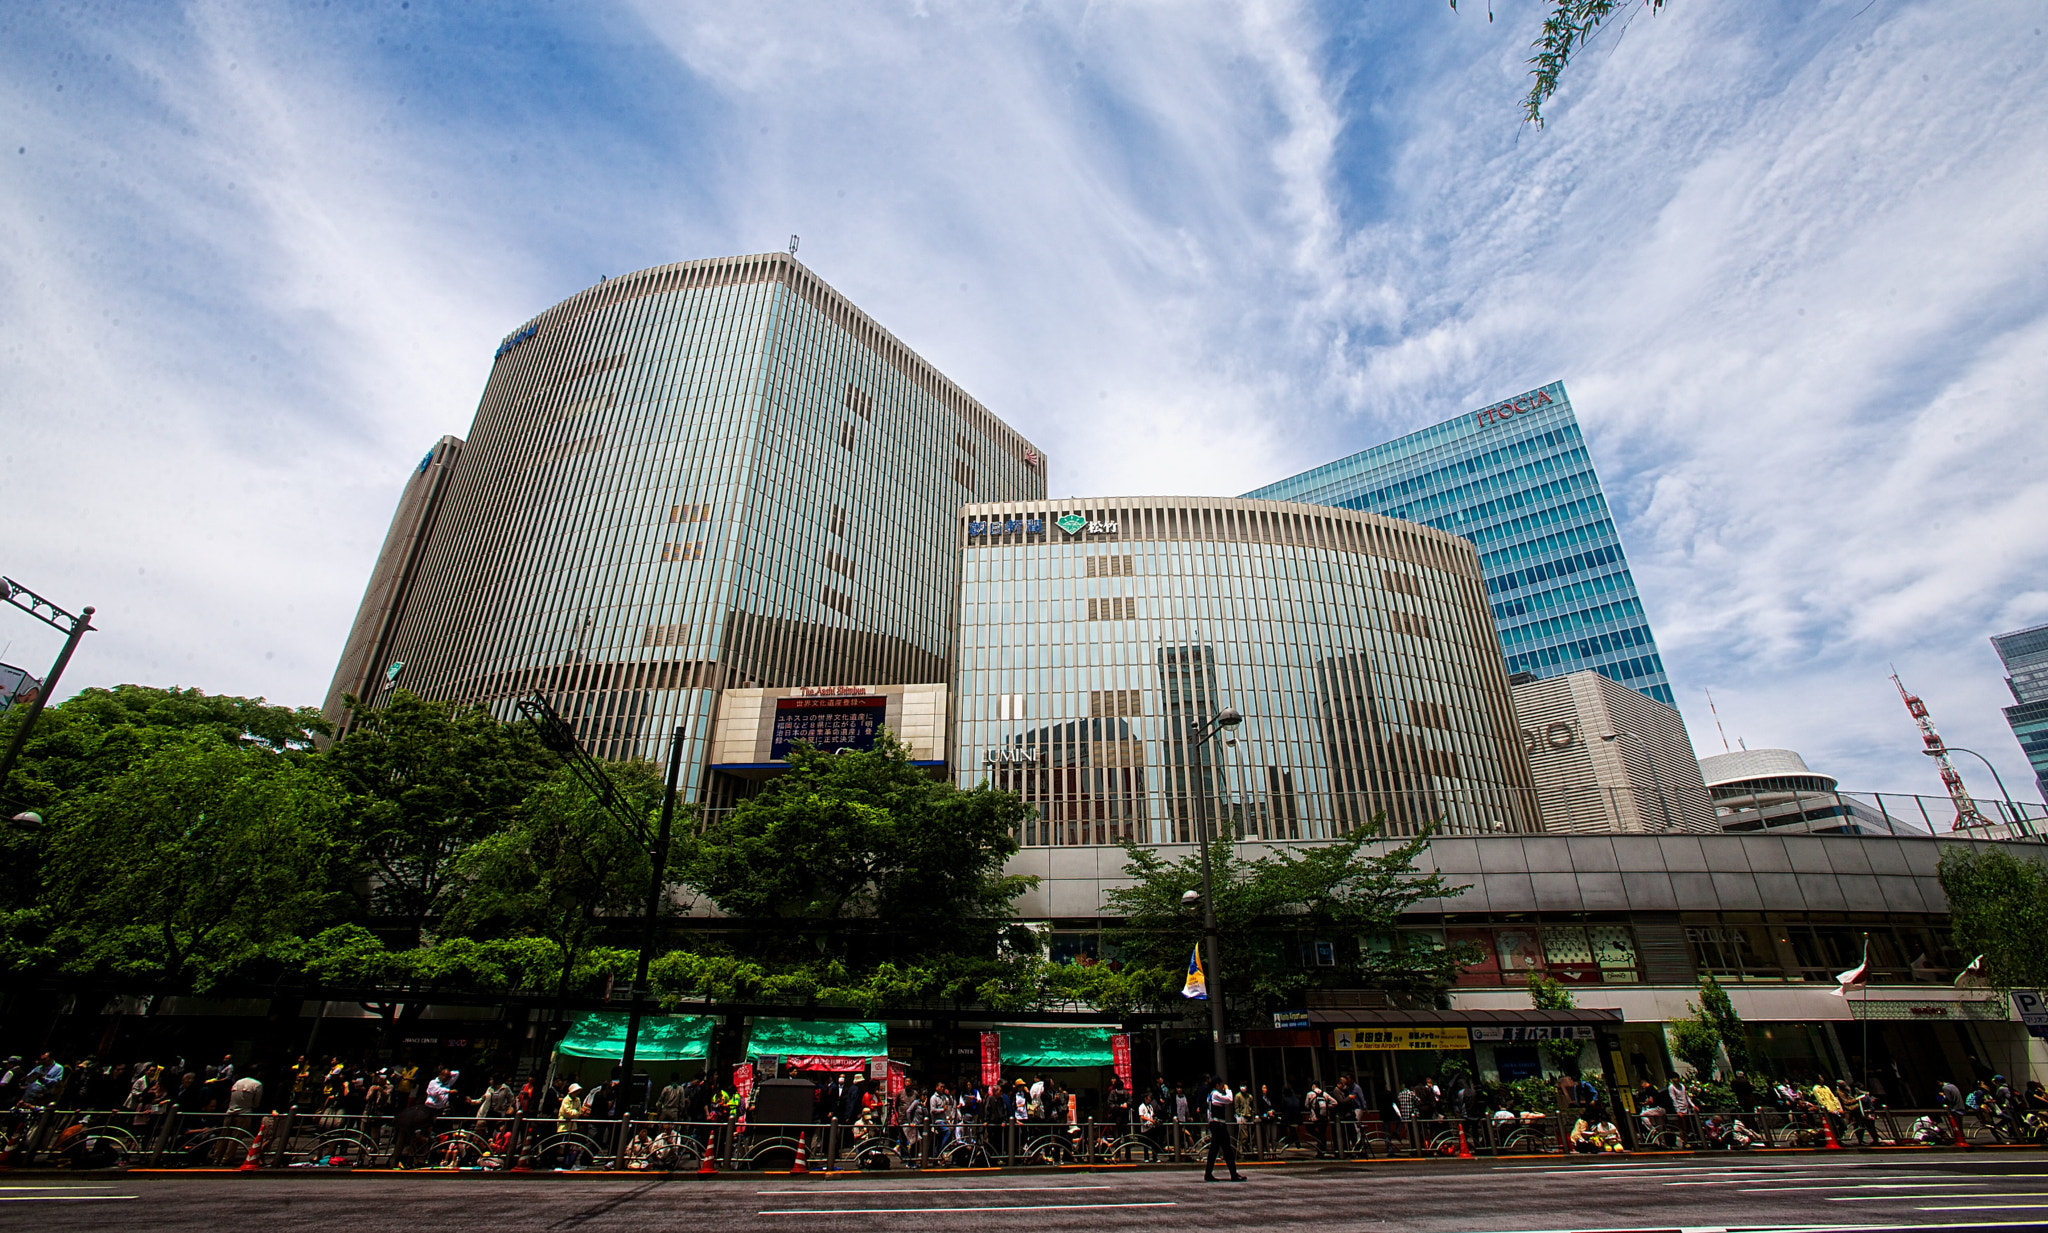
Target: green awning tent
<point>663,1038</point>
<point>806,1038</point>
<point>1055,1047</point>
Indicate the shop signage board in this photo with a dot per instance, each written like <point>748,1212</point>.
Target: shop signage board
<point>1511,1033</point>
<point>1400,1039</point>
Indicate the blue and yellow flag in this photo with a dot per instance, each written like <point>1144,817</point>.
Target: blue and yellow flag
<point>1197,985</point>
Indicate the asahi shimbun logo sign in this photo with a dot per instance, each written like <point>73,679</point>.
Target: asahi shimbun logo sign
<point>1512,407</point>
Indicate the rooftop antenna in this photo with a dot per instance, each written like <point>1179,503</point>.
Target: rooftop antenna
<point>793,242</point>
<point>1717,721</point>
<point>1966,809</point>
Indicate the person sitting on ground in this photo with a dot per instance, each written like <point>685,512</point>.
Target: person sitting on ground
<point>1606,1135</point>
<point>640,1152</point>
<point>1582,1138</point>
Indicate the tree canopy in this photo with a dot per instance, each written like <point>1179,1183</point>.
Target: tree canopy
<point>863,836</point>
<point>190,863</point>
<point>427,780</point>
<point>1570,25</point>
<point>1281,916</point>
<point>1998,906</point>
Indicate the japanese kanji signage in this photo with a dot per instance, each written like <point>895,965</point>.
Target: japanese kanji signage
<point>1394,1039</point>
<point>827,724</point>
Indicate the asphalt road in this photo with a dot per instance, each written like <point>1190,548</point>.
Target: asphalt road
<point>1845,1192</point>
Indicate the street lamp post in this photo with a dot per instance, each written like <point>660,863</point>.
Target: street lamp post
<point>1996,777</point>
<point>556,736</point>
<point>1663,805</point>
<point>72,627</point>
<point>1212,959</point>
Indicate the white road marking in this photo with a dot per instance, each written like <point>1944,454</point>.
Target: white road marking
<point>1852,1186</point>
<point>860,1190</point>
<point>1990,1207</point>
<point>886,1211</point>
<point>1908,1198</point>
<point>64,1198</point>
<point>1796,1181</point>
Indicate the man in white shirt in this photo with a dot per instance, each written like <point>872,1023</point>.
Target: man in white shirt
<point>440,1091</point>
<point>945,1116</point>
<point>1222,1130</point>
<point>245,1096</point>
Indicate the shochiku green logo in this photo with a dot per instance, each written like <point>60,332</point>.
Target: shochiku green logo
<point>1070,523</point>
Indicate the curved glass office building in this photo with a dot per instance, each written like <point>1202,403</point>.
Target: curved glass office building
<point>1360,650</point>
<point>710,475</point>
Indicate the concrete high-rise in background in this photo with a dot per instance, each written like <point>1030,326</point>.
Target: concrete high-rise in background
<point>1607,758</point>
<point>711,475</point>
<point>2024,653</point>
<point>1514,478</point>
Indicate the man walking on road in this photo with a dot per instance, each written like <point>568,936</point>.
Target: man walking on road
<point>1222,1130</point>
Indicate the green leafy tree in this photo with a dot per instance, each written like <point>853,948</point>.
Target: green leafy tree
<point>426,781</point>
<point>1549,993</point>
<point>1695,1041</point>
<point>98,734</point>
<point>1998,908</point>
<point>561,867</point>
<point>863,836</point>
<point>1717,1009</point>
<point>1570,25</point>
<point>1350,893</point>
<point>191,863</point>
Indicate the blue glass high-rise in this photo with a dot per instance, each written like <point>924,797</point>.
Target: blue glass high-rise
<point>1515,479</point>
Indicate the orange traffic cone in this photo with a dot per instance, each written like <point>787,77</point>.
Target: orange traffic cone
<point>704,1166</point>
<point>802,1164</point>
<point>1827,1129</point>
<point>255,1148</point>
<point>1464,1148</point>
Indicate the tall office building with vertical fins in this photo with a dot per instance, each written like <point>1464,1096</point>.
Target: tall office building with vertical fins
<point>1516,480</point>
<point>710,475</point>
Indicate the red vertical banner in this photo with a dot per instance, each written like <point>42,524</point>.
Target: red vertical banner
<point>992,1060</point>
<point>1120,1057</point>
<point>743,1088</point>
<point>899,1080</point>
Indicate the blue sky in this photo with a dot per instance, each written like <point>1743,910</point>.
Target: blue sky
<point>1788,258</point>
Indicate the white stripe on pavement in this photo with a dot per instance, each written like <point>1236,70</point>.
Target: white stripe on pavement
<point>927,1190</point>
<point>1816,1179</point>
<point>1908,1198</point>
<point>885,1211</point>
<point>64,1198</point>
<point>1989,1207</point>
<point>1853,1186</point>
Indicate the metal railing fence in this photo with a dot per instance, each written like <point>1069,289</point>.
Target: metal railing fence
<point>172,1140</point>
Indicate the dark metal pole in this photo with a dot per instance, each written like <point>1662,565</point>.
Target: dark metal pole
<point>656,885</point>
<point>1212,959</point>
<point>1999,779</point>
<point>35,708</point>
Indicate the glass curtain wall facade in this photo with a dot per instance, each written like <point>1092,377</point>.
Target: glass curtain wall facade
<point>1095,633</point>
<point>2024,653</point>
<point>706,475</point>
<point>1516,480</point>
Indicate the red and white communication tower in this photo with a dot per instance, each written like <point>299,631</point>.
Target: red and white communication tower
<point>1966,809</point>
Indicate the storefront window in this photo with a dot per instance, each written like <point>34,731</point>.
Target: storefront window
<point>1487,970</point>
<point>1519,952</point>
<point>1614,949</point>
<point>1569,955</point>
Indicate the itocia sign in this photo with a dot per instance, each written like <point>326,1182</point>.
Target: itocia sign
<point>1512,407</point>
